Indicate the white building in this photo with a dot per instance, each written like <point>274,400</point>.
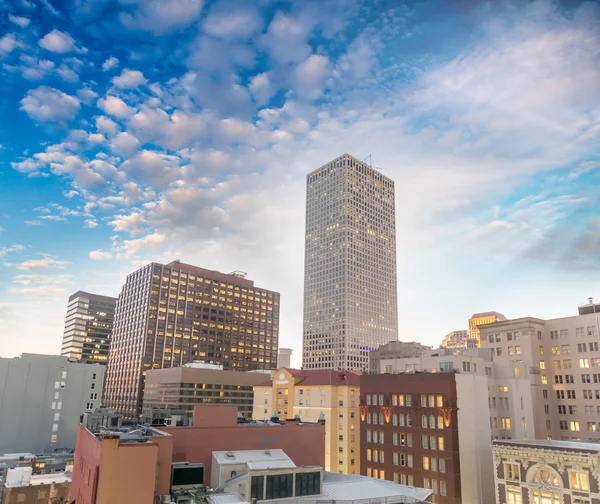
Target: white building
<point>563,360</point>
<point>350,293</point>
<point>41,400</point>
<point>456,340</point>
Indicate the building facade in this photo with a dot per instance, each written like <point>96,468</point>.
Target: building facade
<point>88,327</point>
<point>184,387</point>
<point>395,350</point>
<point>479,319</point>
<point>546,472</point>
<point>168,315</point>
<point>455,340</point>
<point>284,358</point>
<point>41,400</point>
<point>22,485</point>
<point>329,395</point>
<point>350,293</point>
<point>563,357</point>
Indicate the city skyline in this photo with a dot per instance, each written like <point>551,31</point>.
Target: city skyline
<point>163,136</point>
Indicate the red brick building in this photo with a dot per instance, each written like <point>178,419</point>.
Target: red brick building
<point>409,431</point>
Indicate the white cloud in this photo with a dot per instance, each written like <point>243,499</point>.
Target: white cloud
<point>232,22</point>
<point>161,16</point>
<point>106,125</point>
<point>80,171</point>
<point>261,88</point>
<point>58,42</point>
<point>286,39</point>
<point>67,74</point>
<point>48,104</point>
<point>86,95</point>
<point>132,223</point>
<point>115,107</point>
<point>311,75</point>
<point>8,43</point>
<point>128,248</point>
<point>91,223</point>
<point>156,168</point>
<point>70,194</point>
<point>124,144</point>
<point>7,250</point>
<point>50,8</point>
<point>110,63</point>
<point>129,79</point>
<point>99,255</point>
<point>33,223</point>
<point>20,21</point>
<point>47,262</point>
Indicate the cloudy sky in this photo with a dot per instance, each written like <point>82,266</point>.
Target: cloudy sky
<point>140,130</point>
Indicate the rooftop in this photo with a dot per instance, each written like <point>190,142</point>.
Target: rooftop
<point>551,444</point>
<point>256,459</point>
<point>48,479</point>
<point>309,378</point>
<point>488,314</point>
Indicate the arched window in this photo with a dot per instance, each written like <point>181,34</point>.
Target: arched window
<point>381,438</point>
<point>409,420</point>
<point>431,422</point>
<point>545,485</point>
<point>424,421</point>
<point>440,421</point>
<point>374,418</point>
<point>394,419</point>
<point>401,420</point>
<point>380,418</point>
<point>544,475</point>
<point>368,417</point>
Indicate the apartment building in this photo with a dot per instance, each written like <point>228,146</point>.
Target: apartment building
<point>563,360</point>
<point>184,387</point>
<point>546,472</point>
<point>455,340</point>
<point>171,314</point>
<point>311,395</point>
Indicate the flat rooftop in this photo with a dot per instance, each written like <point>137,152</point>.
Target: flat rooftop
<point>256,459</point>
<point>551,444</point>
<point>48,479</point>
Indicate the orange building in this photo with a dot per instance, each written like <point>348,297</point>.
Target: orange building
<point>117,465</point>
<point>482,318</point>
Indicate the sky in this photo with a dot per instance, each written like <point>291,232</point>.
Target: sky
<point>152,130</point>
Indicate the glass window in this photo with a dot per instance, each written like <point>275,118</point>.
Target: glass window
<point>579,480</point>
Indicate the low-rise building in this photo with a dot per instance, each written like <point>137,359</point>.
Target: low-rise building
<point>198,383</point>
<point>122,464</point>
<point>42,399</point>
<point>22,486</point>
<point>395,350</point>
<point>312,395</point>
<point>546,472</point>
<point>456,340</point>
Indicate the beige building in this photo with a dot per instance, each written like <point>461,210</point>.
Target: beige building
<point>395,350</point>
<point>563,359</point>
<point>456,340</point>
<point>198,383</point>
<point>479,319</point>
<point>329,394</point>
<point>546,472</point>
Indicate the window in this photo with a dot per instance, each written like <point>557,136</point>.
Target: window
<point>542,364</point>
<point>579,480</point>
<point>432,422</point>
<point>395,419</point>
<point>55,427</point>
<point>308,483</point>
<point>423,401</point>
<point>584,363</point>
<point>440,422</point>
<point>442,465</point>
<point>513,495</point>
<point>426,463</point>
<point>395,438</point>
<point>574,426</point>
<point>440,443</point>
<point>511,471</point>
<point>518,349</point>
<point>257,488</point>
<point>567,364</point>
<point>374,399</point>
<point>560,394</point>
<point>581,347</point>
<point>424,421</point>
<point>570,394</point>
<point>368,399</point>
<point>368,436</point>
<point>280,486</point>
<point>443,489</point>
<point>369,455</point>
<point>425,442</point>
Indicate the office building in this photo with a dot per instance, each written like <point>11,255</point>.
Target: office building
<point>416,421</point>
<point>350,294</point>
<point>88,327</point>
<point>479,319</point>
<point>312,395</point>
<point>168,315</point>
<point>546,472</point>
<point>284,358</point>
<point>41,400</point>
<point>122,464</point>
<point>563,356</point>
<point>395,350</point>
<point>455,340</point>
<point>184,387</point>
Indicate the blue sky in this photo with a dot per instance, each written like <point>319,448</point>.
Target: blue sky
<point>139,130</point>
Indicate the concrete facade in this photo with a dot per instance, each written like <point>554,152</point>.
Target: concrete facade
<point>546,472</point>
<point>310,394</point>
<point>563,362</point>
<point>88,327</point>
<point>479,319</point>
<point>41,400</point>
<point>284,358</point>
<point>456,340</point>
<point>187,386</point>
<point>395,350</point>
<point>350,293</point>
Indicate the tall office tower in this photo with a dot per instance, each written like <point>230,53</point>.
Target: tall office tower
<point>168,315</point>
<point>88,327</point>
<point>350,297</point>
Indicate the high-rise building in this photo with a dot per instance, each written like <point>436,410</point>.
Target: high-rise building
<point>479,319</point>
<point>168,315</point>
<point>284,358</point>
<point>395,350</point>
<point>41,400</point>
<point>456,340</point>
<point>88,326</point>
<point>563,356</point>
<point>350,295</point>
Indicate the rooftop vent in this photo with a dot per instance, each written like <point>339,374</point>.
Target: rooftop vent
<point>267,452</point>
<point>238,273</point>
<point>230,455</point>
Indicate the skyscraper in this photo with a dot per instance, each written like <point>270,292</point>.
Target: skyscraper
<point>168,315</point>
<point>350,296</point>
<point>88,326</point>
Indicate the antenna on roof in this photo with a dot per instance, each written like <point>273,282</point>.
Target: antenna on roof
<point>369,157</point>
